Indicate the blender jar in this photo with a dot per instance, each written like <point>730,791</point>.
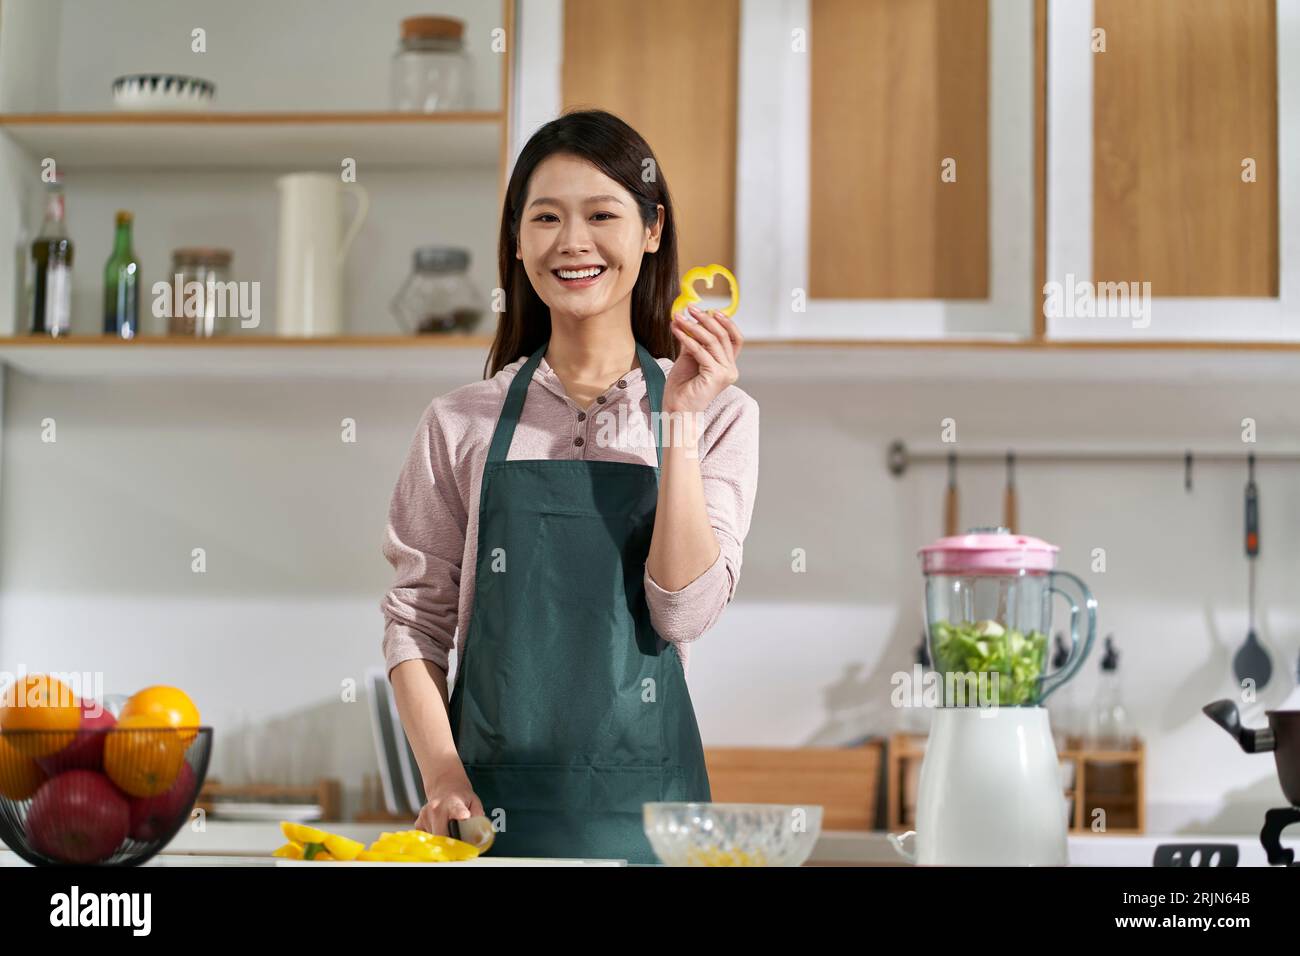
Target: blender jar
<point>988,602</point>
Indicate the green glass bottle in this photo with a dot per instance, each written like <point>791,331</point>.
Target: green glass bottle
<point>122,284</point>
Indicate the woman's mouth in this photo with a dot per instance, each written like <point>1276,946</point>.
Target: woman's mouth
<point>580,277</point>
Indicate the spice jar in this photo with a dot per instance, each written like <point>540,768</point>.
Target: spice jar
<point>431,71</point>
<point>438,296</point>
<point>200,312</point>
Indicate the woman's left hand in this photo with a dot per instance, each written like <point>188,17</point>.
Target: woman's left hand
<point>707,361</point>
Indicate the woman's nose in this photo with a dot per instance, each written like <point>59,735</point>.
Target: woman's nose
<point>574,238</point>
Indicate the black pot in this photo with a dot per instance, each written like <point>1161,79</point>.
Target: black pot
<point>1282,737</point>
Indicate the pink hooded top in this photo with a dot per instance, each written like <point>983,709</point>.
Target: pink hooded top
<point>432,535</point>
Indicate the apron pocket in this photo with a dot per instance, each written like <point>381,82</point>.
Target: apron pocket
<point>566,810</point>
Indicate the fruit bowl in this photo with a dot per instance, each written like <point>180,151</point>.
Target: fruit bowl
<point>111,796</point>
<point>732,834</point>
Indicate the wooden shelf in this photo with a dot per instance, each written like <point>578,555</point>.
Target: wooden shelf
<point>951,361</point>
<point>212,140</point>
<point>259,357</point>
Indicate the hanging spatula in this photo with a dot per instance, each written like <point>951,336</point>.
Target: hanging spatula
<point>1251,662</point>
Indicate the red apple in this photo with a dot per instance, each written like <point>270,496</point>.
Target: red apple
<point>78,817</point>
<point>86,751</point>
<point>152,818</point>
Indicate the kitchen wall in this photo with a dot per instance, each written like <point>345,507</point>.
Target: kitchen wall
<point>97,529</point>
<point>96,533</point>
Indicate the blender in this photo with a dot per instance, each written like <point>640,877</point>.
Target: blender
<point>990,791</point>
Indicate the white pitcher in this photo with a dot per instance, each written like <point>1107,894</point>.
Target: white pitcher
<point>309,299</point>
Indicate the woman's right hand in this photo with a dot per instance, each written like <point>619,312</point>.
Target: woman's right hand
<point>448,796</point>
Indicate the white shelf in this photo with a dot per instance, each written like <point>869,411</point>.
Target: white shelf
<point>260,357</point>
<point>461,357</point>
<point>258,140</point>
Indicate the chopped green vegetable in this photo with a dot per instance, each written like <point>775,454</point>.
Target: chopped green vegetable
<point>987,648</point>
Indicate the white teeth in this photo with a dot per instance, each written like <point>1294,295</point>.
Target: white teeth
<point>580,273</point>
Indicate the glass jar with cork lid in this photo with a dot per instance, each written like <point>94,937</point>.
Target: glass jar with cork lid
<point>431,72</point>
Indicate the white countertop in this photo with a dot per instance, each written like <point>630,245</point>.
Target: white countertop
<point>250,844</point>
<point>873,848</point>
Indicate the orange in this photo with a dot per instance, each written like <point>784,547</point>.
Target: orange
<point>20,776</point>
<point>142,758</point>
<point>166,707</point>
<point>38,702</point>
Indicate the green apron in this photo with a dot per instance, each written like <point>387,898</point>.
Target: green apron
<point>569,712</point>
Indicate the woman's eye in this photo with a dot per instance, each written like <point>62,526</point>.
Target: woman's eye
<point>551,217</point>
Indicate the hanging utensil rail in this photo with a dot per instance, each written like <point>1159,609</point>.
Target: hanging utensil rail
<point>899,457</point>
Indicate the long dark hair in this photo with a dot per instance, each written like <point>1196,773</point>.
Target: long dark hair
<point>618,151</point>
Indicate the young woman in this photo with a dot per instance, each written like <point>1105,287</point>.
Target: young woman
<point>537,517</point>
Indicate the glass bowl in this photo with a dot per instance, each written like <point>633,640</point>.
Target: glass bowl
<point>732,834</point>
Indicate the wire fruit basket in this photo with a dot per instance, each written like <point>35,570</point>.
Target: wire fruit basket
<point>106,797</point>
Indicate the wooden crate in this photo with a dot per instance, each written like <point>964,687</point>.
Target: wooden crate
<point>902,775</point>
<point>1113,781</point>
<point>844,781</point>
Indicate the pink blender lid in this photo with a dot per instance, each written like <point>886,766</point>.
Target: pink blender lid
<point>988,551</point>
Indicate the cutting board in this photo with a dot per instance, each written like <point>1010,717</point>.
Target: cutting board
<point>481,861</point>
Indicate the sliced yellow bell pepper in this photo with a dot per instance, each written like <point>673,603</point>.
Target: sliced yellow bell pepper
<point>290,851</point>
<point>297,833</point>
<point>341,848</point>
<point>707,274</point>
<point>719,857</point>
<point>403,846</point>
<point>315,851</point>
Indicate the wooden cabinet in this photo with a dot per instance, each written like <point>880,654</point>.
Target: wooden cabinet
<point>865,166</point>
<point>1168,123</point>
<point>673,77</point>
<point>1089,144</point>
<point>1185,121</point>
<point>899,150</point>
<point>871,169</point>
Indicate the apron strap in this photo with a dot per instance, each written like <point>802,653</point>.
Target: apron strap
<point>514,403</point>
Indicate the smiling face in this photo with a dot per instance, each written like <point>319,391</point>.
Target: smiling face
<point>581,239</point>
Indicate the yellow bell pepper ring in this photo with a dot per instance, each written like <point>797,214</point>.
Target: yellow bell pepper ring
<point>707,274</point>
